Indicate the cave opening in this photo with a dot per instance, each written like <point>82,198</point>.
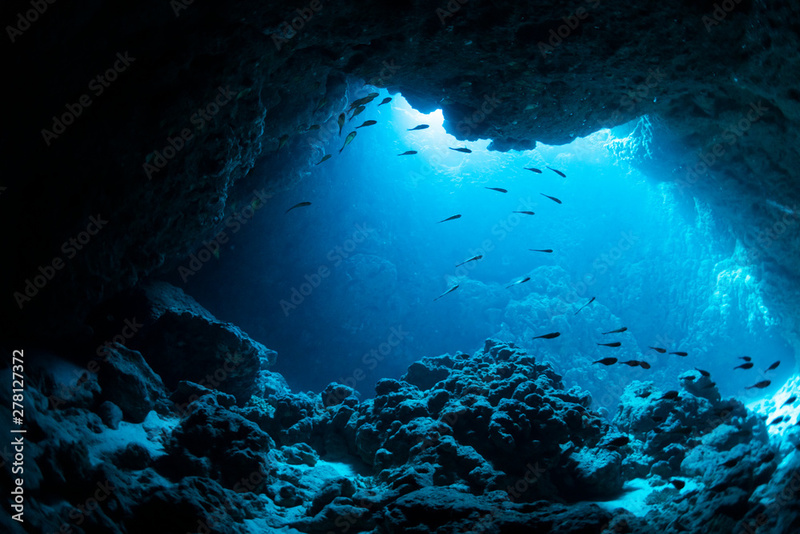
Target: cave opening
<point>345,289</point>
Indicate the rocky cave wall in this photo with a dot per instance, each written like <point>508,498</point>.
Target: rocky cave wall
<point>233,88</point>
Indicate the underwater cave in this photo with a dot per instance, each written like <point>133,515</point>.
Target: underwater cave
<point>457,267</point>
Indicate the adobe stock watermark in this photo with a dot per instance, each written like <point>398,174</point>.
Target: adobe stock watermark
<point>234,222</point>
<point>25,19</point>
<point>571,23</point>
<point>731,134</point>
<point>766,237</point>
<point>449,10</point>
<point>156,160</point>
<point>289,30</point>
<point>370,360</point>
<point>47,272</point>
<point>97,86</point>
<point>335,257</point>
<point>719,14</point>
<point>489,104</point>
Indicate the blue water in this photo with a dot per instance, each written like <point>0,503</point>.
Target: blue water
<point>344,289</point>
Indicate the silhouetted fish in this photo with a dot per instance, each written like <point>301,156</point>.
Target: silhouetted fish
<point>614,344</point>
<point>282,140</point>
<point>298,205</point>
<point>760,385</point>
<point>777,420</point>
<point>658,349</point>
<point>670,395</point>
<point>790,400</point>
<point>340,122</point>
<point>366,123</point>
<point>519,282</point>
<point>452,218</point>
<point>745,358</point>
<point>465,150</point>
<point>644,365</point>
<point>680,353</point>
<point>408,153</point>
<point>606,361</point>
<point>688,378</point>
<point>561,174</point>
<point>326,157</point>
<point>498,189</point>
<point>704,373</point>
<point>446,292</point>
<point>545,250</point>
<point>418,127</point>
<point>524,212</point>
<point>554,199</point>
<point>617,331</point>
<point>551,335</point>
<point>533,169</point>
<point>631,363</point>
<point>582,307</point>
<point>348,140</point>
<point>357,111</point>
<point>473,258</point>
<point>385,100</point>
<point>679,484</point>
<point>774,366</point>
<point>747,365</point>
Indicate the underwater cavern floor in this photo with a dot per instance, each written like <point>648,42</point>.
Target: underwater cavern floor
<point>489,442</point>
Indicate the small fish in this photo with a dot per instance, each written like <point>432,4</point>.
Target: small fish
<point>606,361</point>
<point>348,140</point>
<point>545,250</point>
<point>320,104</point>
<point>313,127</point>
<point>679,484</point>
<point>418,127</point>
<point>745,358</point>
<point>774,366</point>
<point>730,463</point>
<point>644,365</point>
<point>561,174</point>
<point>703,373</point>
<point>619,442</point>
<point>760,385</point>
<point>533,169</point>
<point>473,258</point>
<point>790,400</point>
<point>524,212</point>
<point>710,385</point>
<point>614,344</point>
<point>326,157</point>
<point>680,353</point>
<point>551,335</point>
<point>446,292</point>
<point>498,189</point>
<point>617,331</point>
<point>688,378</point>
<point>340,122</point>
<point>385,100</point>
<point>554,199</point>
<point>658,349</point>
<point>282,140</point>
<point>366,123</point>
<point>298,205</point>
<point>582,307</point>
<point>408,153</point>
<point>465,150</point>
<point>452,218</point>
<point>631,363</point>
<point>358,111</point>
<point>670,395</point>
<point>748,365</point>
<point>775,421</point>
<point>519,282</point>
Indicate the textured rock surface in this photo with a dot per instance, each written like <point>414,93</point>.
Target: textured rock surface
<point>494,445</point>
<point>516,74</point>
